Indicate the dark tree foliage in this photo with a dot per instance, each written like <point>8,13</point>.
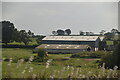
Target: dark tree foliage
<point>24,37</point>
<point>68,31</point>
<point>113,59</point>
<point>30,34</point>
<point>113,31</point>
<point>116,54</point>
<point>102,32</point>
<point>60,32</point>
<point>39,39</point>
<point>16,36</point>
<point>81,33</point>
<point>10,33</point>
<point>109,36</point>
<point>54,32</point>
<point>7,31</point>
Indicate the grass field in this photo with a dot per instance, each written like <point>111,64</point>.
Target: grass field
<point>33,42</point>
<point>57,66</point>
<point>109,42</point>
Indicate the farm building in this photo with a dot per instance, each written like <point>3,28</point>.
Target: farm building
<point>64,48</point>
<point>70,44</point>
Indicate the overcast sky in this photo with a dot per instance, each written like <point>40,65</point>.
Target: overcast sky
<point>44,17</point>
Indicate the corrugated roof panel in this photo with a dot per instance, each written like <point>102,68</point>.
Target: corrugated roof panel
<point>72,38</point>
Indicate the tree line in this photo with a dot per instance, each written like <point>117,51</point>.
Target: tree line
<point>62,32</point>
<point>108,35</point>
<point>11,34</point>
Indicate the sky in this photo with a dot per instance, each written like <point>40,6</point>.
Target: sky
<point>44,17</point>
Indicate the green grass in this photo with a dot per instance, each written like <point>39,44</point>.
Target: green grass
<point>109,42</point>
<point>33,42</point>
<point>16,53</point>
<point>58,67</point>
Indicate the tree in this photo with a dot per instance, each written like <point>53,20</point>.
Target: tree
<point>7,31</point>
<point>82,33</point>
<point>91,33</point>
<point>24,37</point>
<point>102,32</point>
<point>112,59</point>
<point>68,31</point>
<point>16,36</point>
<point>54,32</point>
<point>113,31</point>
<point>87,33</point>
<point>29,33</point>
<point>41,53</point>
<point>60,32</point>
<point>32,34</point>
<point>108,36</point>
<point>39,39</point>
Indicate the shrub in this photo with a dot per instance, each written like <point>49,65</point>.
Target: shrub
<point>112,59</point>
<point>41,53</point>
<point>39,59</point>
<point>91,54</point>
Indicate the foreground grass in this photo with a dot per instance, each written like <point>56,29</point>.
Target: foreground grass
<point>60,66</point>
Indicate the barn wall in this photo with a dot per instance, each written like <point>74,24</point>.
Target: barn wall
<point>63,51</point>
<point>97,44</point>
<point>91,43</point>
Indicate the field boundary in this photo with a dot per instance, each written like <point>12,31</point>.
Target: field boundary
<point>18,46</point>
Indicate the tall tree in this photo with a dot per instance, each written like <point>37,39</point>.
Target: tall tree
<point>102,32</point>
<point>113,31</point>
<point>87,33</point>
<point>16,36</point>
<point>82,33</point>
<point>54,32</point>
<point>24,37</point>
<point>32,34</point>
<point>68,31</point>
<point>60,32</point>
<point>29,33</point>
<point>108,36</point>
<point>39,39</point>
<point>7,31</point>
<point>91,33</point>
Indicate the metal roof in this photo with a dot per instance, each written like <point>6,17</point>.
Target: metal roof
<point>101,38</point>
<point>63,46</point>
<point>72,38</point>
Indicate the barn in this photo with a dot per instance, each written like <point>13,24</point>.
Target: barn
<point>70,44</point>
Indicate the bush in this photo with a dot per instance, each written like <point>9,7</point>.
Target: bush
<point>112,59</point>
<point>39,59</point>
<point>41,53</point>
<point>91,54</point>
